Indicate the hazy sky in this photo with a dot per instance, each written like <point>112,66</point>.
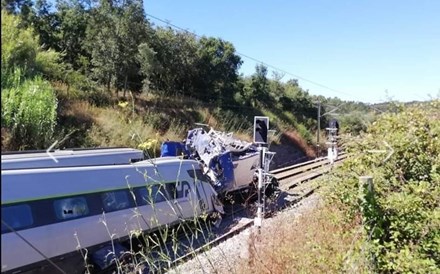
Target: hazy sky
<point>363,50</point>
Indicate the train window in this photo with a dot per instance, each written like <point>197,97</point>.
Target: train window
<point>152,194</point>
<point>70,208</point>
<point>198,174</point>
<point>115,200</point>
<point>17,217</point>
<point>142,196</point>
<point>182,189</point>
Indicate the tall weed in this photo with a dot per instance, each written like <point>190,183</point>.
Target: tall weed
<point>29,111</point>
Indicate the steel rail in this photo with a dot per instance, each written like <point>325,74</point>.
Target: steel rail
<point>295,175</point>
<point>288,172</point>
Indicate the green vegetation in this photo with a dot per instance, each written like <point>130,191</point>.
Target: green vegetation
<point>401,215</point>
<point>392,228</point>
<point>28,102</point>
<point>98,54</point>
<point>29,110</point>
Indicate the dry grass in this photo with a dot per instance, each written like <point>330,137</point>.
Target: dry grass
<point>81,110</point>
<point>143,117</point>
<point>111,128</point>
<point>318,242</point>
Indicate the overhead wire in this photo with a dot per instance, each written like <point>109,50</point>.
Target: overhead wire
<point>254,59</point>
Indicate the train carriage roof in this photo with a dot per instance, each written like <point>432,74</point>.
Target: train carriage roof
<point>32,184</point>
<point>70,157</point>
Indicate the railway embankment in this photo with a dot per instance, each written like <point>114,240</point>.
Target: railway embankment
<point>238,253</point>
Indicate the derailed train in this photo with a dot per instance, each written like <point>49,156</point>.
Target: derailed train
<point>48,211</point>
<point>53,203</point>
<point>230,163</point>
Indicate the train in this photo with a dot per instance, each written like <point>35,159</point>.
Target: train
<point>54,201</point>
<point>49,212</point>
<point>70,157</point>
<point>230,163</point>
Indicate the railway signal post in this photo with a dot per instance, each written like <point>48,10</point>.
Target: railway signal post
<point>261,126</point>
<point>332,151</point>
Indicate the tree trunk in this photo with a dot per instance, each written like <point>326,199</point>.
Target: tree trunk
<point>125,85</point>
<point>108,85</point>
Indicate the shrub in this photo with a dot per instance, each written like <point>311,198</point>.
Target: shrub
<point>29,111</point>
<point>21,49</point>
<point>79,82</point>
<point>19,46</point>
<point>49,64</point>
<point>402,152</point>
<point>98,97</point>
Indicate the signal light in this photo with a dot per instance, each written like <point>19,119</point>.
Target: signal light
<point>261,127</point>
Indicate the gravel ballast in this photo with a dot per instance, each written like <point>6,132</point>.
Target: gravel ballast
<point>228,256</point>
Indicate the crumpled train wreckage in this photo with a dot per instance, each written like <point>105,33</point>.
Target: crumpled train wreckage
<point>231,164</point>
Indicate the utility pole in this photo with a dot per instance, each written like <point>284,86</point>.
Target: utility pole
<point>319,128</point>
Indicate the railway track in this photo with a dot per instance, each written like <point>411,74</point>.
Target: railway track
<point>290,178</point>
<point>293,189</point>
<point>293,180</point>
<point>312,166</point>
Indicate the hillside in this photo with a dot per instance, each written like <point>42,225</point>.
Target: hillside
<point>143,118</point>
<point>89,86</point>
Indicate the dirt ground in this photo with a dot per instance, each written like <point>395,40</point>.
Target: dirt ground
<point>291,149</point>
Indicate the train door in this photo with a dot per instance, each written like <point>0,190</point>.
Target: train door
<point>185,200</point>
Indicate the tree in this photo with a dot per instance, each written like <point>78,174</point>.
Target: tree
<point>176,57</point>
<point>259,86</point>
<point>46,25</point>
<point>73,20</point>
<point>102,43</point>
<point>23,8</point>
<point>112,39</point>
<point>131,32</point>
<point>15,54</point>
<point>276,87</point>
<point>26,55</point>
<point>147,60</point>
<point>218,66</point>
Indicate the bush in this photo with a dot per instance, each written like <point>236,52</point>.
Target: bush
<point>49,64</point>
<point>29,111</point>
<point>97,97</point>
<point>402,220</point>
<point>355,122</point>
<point>19,46</point>
<point>79,82</point>
<point>21,49</point>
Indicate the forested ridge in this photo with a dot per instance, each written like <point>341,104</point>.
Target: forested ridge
<point>92,55</point>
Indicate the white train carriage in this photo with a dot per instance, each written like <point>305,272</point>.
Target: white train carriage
<point>70,157</point>
<point>45,212</point>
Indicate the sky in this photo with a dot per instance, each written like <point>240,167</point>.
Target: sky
<point>359,50</point>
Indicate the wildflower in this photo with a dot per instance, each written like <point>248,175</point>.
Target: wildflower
<point>123,104</point>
